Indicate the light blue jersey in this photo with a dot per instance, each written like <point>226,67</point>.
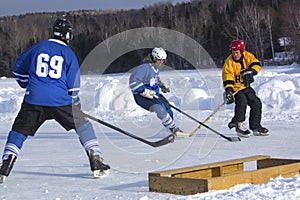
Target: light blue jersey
<point>144,76</point>
<point>50,73</point>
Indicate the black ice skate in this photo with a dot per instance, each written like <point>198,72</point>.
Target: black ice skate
<point>260,131</point>
<point>6,167</point>
<point>97,166</point>
<point>241,130</point>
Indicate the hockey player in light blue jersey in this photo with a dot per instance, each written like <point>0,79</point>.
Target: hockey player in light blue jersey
<point>146,85</point>
<point>50,73</point>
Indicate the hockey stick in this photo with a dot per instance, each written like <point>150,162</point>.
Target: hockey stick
<point>206,120</point>
<point>164,141</point>
<point>212,114</point>
<point>232,139</point>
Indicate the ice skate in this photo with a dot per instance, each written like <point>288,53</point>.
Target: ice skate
<point>97,166</point>
<point>260,131</point>
<point>241,130</point>
<point>6,167</point>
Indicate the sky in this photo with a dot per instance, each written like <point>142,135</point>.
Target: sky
<point>17,7</point>
<point>53,165</point>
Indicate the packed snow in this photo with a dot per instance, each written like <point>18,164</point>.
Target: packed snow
<point>53,165</point>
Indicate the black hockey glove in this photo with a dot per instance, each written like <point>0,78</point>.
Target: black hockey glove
<point>248,76</point>
<point>228,96</point>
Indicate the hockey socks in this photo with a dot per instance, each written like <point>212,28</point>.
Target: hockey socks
<point>13,144</point>
<point>88,138</point>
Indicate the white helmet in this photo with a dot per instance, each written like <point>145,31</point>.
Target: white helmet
<point>158,53</point>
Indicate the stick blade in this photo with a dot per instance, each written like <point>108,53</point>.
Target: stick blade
<point>234,139</point>
<point>169,139</point>
<point>182,135</point>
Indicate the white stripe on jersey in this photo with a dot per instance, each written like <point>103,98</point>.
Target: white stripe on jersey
<point>21,75</point>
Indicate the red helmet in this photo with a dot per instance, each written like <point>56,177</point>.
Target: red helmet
<point>237,45</point>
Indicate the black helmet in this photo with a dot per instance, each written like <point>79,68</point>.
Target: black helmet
<point>62,29</point>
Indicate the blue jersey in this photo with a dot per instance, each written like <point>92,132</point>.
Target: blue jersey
<point>50,73</point>
<point>144,76</point>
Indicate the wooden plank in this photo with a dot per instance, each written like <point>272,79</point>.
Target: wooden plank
<point>228,181</point>
<point>174,185</point>
<point>274,162</point>
<point>212,172</point>
<point>201,173</point>
<point>253,177</point>
<point>208,166</point>
<point>286,171</point>
<point>232,169</point>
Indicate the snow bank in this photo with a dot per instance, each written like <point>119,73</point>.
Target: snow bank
<point>11,97</point>
<point>109,96</point>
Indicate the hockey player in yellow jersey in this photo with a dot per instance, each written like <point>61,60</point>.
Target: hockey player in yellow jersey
<point>238,73</point>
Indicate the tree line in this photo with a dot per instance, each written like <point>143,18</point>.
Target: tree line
<point>212,23</point>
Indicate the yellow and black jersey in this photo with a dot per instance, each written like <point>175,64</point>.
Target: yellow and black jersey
<point>232,72</point>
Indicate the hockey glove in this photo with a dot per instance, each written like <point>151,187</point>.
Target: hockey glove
<point>148,94</point>
<point>228,96</point>
<point>163,86</point>
<point>248,76</point>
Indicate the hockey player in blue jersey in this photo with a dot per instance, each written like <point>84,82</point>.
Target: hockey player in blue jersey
<point>50,73</point>
<point>146,86</point>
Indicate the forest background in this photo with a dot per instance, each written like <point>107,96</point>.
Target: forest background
<point>262,24</point>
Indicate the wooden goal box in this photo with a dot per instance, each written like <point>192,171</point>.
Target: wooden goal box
<point>221,175</point>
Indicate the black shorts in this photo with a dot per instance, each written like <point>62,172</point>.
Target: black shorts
<point>31,117</point>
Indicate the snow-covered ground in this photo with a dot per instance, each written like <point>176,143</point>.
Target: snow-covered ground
<point>53,165</point>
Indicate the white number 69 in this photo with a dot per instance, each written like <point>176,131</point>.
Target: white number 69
<point>54,68</point>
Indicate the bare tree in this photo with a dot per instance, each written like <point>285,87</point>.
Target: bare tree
<point>291,16</point>
<point>269,21</point>
<point>250,26</point>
